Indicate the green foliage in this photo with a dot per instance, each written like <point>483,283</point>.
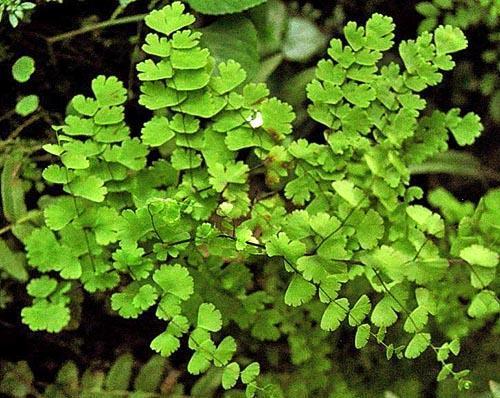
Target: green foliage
<point>15,10</point>
<point>13,206</point>
<point>17,380</point>
<point>461,13</point>
<point>219,7</point>
<point>468,15</point>
<point>23,68</point>
<point>218,218</point>
<point>15,180</point>
<point>27,105</point>
<point>49,310</point>
<point>12,263</point>
<point>233,38</point>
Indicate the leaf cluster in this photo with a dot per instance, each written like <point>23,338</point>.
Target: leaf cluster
<point>121,379</point>
<point>238,225</point>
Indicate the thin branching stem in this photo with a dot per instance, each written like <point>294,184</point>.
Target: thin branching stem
<point>98,26</point>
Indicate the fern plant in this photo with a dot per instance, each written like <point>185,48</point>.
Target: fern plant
<point>216,218</point>
<point>468,15</point>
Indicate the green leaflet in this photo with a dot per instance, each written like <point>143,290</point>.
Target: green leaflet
<point>362,336</point>
<point>27,105</point>
<point>334,314</point>
<point>49,311</point>
<point>169,19</point>
<point>299,291</point>
<point>157,131</point>
<point>46,316</point>
<point>209,318</point>
<point>156,96</point>
<point>150,71</point>
<point>108,91</point>
<point>23,68</point>
<point>91,188</point>
<point>383,314</point>
<point>359,311</point>
<point>417,345</point>
<point>230,375</point>
<point>449,39</point>
<point>134,300</point>
<point>229,174</point>
<point>41,287</point>
<point>479,255</point>
<point>250,373</point>
<point>231,75</point>
<point>483,304</point>
<point>174,280</point>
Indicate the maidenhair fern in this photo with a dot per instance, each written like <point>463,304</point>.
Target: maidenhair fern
<point>171,222</point>
<point>469,15</point>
